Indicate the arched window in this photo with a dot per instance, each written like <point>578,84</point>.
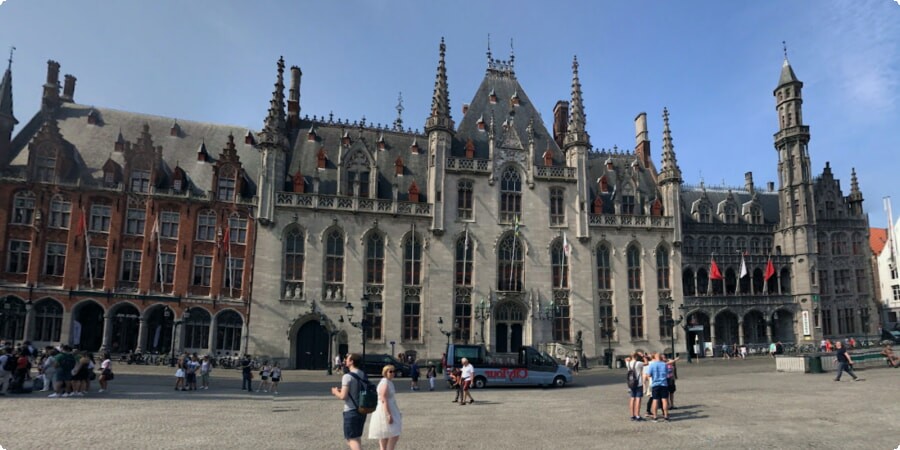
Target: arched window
<point>510,195</point>
<point>464,209</point>
<point>839,244</point>
<point>714,245</point>
<point>47,321</point>
<point>294,255</point>
<point>334,261</point>
<point>603,268</point>
<point>688,245</point>
<point>510,263</point>
<point>634,268</point>
<point>559,263</point>
<point>12,325</point>
<point>702,281</point>
<point>375,259</point>
<point>662,267</point>
<point>754,246</point>
<point>412,261</point>
<point>687,282</point>
<point>702,248</point>
<point>23,208</point>
<point>196,329</point>
<point>228,331</point>
<point>857,244</point>
<point>557,206</point>
<point>728,249</point>
<point>464,260</point>
<point>628,201</point>
<point>742,244</point>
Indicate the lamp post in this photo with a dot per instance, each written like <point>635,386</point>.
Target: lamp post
<point>482,313</point>
<point>671,321</point>
<point>608,333</point>
<point>864,317</point>
<point>441,328</point>
<point>687,339</point>
<point>362,324</point>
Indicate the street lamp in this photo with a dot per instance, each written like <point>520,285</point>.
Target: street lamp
<point>441,328</point>
<point>362,324</point>
<point>671,321</point>
<point>687,339</point>
<point>482,313</point>
<point>864,316</point>
<point>608,333</point>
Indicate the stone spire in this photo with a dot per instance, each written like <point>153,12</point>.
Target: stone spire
<point>440,101</point>
<point>670,171</point>
<point>398,122</point>
<point>575,133</point>
<point>6,98</point>
<point>274,125</point>
<point>787,73</point>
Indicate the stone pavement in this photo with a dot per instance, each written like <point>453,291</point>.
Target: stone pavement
<point>722,404</point>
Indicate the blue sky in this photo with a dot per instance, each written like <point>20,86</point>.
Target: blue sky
<point>714,64</point>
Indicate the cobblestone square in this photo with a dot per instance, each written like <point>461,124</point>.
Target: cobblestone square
<point>721,404</point>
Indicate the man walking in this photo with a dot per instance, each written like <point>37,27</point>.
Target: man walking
<point>354,421</point>
<point>246,374</point>
<point>659,386</point>
<point>468,379</point>
<point>845,362</point>
<point>636,368</point>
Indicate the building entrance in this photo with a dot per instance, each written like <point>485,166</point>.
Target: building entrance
<point>312,347</point>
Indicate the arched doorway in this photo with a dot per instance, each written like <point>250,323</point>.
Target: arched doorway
<point>159,322</point>
<point>726,328</point>
<point>12,319</point>
<point>87,326</point>
<point>754,328</point>
<point>697,333</point>
<point>508,327</point>
<point>125,328</point>
<point>783,326</point>
<point>312,346</point>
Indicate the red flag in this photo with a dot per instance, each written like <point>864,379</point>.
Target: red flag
<point>714,273</point>
<point>226,239</point>
<point>82,224</point>
<point>770,269</point>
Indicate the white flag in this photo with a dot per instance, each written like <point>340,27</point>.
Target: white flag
<point>566,249</point>
<point>743,267</point>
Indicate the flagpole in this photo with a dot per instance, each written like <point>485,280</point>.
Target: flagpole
<point>465,255</point>
<point>162,274</point>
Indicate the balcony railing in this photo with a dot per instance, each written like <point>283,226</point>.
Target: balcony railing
<point>629,221</point>
<point>719,301</point>
<point>555,173</point>
<point>467,165</point>
<point>353,204</point>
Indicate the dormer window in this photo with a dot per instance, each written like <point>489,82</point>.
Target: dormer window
<point>109,177</point>
<point>321,158</point>
<point>704,215</point>
<point>398,167</point>
<point>480,123</point>
<point>177,185</point>
<point>46,168</point>
<point>226,189</point>
<point>493,97</point>
<point>470,149</point>
<point>140,181</point>
<point>604,184</point>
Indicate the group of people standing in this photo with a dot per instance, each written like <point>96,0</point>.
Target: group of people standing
<point>652,376</point>
<point>63,370</point>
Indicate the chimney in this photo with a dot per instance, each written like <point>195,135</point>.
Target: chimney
<point>69,89</point>
<point>51,87</point>
<point>293,104</point>
<point>771,186</point>
<point>641,140</point>
<point>748,182</point>
<point>560,121</point>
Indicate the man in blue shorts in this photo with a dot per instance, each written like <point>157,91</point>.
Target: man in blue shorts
<point>354,421</point>
<point>659,386</point>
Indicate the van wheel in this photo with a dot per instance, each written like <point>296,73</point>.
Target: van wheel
<point>480,382</point>
<point>559,381</point>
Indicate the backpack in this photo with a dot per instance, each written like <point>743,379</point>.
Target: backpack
<point>631,377</point>
<point>368,395</point>
<point>10,364</point>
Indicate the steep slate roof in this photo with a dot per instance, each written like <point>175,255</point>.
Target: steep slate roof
<point>502,82</point>
<point>95,144</point>
<point>304,156</point>
<point>621,173</point>
<point>768,201</point>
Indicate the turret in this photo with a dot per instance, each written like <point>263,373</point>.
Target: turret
<point>273,146</point>
<point>7,119</point>
<point>855,199</point>
<point>293,104</point>
<point>439,128</point>
<point>575,145</point>
<point>669,178</point>
<point>791,142</point>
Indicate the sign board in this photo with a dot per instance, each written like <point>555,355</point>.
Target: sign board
<point>695,328</point>
<point>805,322</point>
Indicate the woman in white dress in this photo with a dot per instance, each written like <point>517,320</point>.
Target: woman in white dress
<point>387,421</point>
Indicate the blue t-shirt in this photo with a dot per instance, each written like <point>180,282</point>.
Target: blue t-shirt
<point>658,374</point>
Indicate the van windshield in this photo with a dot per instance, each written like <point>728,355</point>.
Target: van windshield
<point>473,353</point>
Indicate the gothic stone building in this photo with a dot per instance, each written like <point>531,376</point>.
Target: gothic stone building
<point>495,230</point>
<point>114,228</point>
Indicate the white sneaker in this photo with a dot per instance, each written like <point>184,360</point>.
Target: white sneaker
<point>102,391</point>
<point>53,395</point>
<point>65,395</point>
<point>275,392</point>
